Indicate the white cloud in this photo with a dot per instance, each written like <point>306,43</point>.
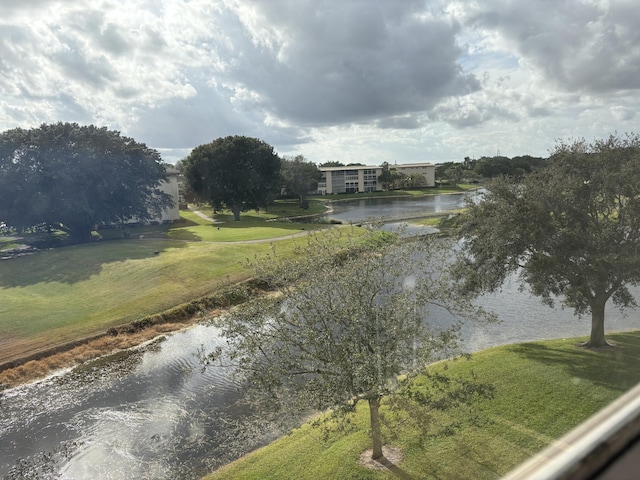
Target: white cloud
<point>340,79</point>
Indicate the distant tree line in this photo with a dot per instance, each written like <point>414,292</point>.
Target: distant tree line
<point>71,178</point>
<point>488,167</point>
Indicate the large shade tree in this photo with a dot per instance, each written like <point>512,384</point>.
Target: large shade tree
<point>72,178</point>
<point>571,231</point>
<point>236,172</point>
<point>350,317</point>
<point>300,177</point>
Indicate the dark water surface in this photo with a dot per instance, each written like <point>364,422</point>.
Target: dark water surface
<point>154,413</point>
<point>389,209</point>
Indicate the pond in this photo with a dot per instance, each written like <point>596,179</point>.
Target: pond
<point>390,209</point>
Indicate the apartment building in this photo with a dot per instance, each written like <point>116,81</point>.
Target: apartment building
<point>364,178</point>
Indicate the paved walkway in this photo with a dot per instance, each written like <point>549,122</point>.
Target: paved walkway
<point>202,215</point>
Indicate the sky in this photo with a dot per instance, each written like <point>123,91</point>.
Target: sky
<point>365,81</point>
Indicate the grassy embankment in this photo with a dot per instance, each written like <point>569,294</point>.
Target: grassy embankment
<point>542,390</point>
<point>64,294</point>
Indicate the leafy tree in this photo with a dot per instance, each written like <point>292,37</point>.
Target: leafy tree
<point>390,178</point>
<point>386,178</point>
<point>347,321</point>
<point>455,173</point>
<point>73,177</point>
<point>299,178</point>
<point>571,230</point>
<point>491,167</point>
<point>236,172</point>
<point>411,180</point>
<point>187,192</point>
<point>332,163</point>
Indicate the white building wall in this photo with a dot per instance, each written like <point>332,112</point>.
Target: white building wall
<point>426,169</point>
<point>171,187</point>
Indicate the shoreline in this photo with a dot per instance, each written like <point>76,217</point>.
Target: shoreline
<point>43,364</point>
<point>68,355</point>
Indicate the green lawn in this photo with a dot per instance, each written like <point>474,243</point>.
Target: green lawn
<point>7,243</point>
<point>62,294</point>
<point>542,390</point>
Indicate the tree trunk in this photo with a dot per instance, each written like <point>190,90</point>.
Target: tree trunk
<point>597,338</point>
<point>236,212</point>
<point>80,233</point>
<point>376,434</point>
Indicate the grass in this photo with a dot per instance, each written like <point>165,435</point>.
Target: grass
<point>63,294</point>
<point>542,390</point>
<point>8,244</point>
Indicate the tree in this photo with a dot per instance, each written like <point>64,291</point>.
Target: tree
<point>332,163</point>
<point>299,178</point>
<point>236,172</point>
<point>411,180</point>
<point>386,177</point>
<point>347,321</point>
<point>571,230</point>
<point>455,173</point>
<point>73,177</point>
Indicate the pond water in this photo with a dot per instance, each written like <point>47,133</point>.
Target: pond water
<point>154,413</point>
<point>389,209</point>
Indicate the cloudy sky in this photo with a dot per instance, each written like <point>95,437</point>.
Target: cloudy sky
<point>350,80</point>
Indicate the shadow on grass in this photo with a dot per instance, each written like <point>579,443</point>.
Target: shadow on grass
<point>77,263</point>
<point>615,368</point>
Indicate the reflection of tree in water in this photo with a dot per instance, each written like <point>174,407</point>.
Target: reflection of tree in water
<point>224,434</point>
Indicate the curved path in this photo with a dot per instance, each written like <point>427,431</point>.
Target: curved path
<point>259,240</point>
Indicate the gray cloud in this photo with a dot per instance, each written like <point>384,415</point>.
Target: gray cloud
<point>402,122</point>
<point>339,62</point>
<point>578,45</point>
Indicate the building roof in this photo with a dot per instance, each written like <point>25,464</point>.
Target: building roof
<point>370,167</point>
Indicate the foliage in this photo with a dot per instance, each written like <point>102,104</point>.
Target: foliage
<point>73,177</point>
<point>299,178</point>
<point>572,230</point>
<point>488,167</point>
<point>455,173</point>
<point>236,172</point>
<point>348,319</point>
<point>332,163</point>
<point>491,167</point>
<point>541,390</point>
<point>386,178</point>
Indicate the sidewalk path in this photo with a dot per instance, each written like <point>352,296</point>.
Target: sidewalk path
<point>202,215</point>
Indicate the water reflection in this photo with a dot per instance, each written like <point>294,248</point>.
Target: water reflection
<point>151,414</point>
<point>390,209</point>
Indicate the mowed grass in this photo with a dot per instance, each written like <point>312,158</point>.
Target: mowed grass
<point>542,390</point>
<point>63,294</point>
